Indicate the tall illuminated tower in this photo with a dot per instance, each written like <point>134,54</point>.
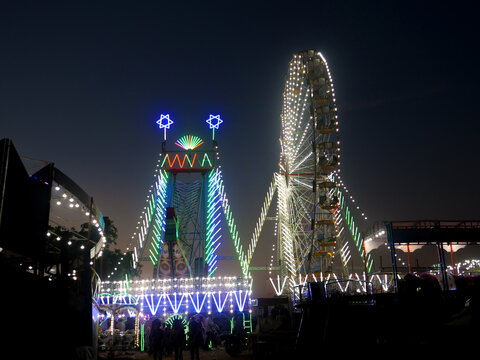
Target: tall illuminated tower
<point>180,228</point>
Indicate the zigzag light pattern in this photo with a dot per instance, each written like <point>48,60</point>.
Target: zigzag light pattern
<point>188,160</point>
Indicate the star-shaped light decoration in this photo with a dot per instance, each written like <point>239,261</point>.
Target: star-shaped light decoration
<point>214,121</point>
<point>164,123</point>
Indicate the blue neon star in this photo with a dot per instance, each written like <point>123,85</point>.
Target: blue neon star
<point>164,121</point>
<point>214,121</point>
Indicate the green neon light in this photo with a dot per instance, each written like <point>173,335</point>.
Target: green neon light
<point>156,226</point>
<point>158,215</point>
<point>180,158</point>
<point>214,191</point>
<point>189,142</point>
<point>234,234</point>
<point>154,247</point>
<point>370,264</point>
<point>191,162</point>
<point>247,324</point>
<point>157,237</point>
<point>355,232</point>
<point>164,159</point>
<point>208,159</point>
<point>152,260</point>
<point>127,283</point>
<point>152,257</point>
<point>151,204</point>
<point>171,319</point>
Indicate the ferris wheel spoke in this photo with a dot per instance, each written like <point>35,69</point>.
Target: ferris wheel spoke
<point>309,156</point>
<point>308,186</point>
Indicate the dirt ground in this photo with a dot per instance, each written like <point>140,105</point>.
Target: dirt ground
<point>215,354</point>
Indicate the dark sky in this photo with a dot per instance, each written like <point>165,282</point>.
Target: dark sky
<point>83,82</point>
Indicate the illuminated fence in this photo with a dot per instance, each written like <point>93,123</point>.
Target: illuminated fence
<point>355,283</point>
<point>179,295</point>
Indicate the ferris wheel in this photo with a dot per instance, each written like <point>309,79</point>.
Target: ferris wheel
<point>308,219</point>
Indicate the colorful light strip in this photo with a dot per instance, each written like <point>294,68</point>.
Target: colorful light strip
<point>233,231</point>
<point>331,281</point>
<point>179,303</point>
<point>159,222</point>
<point>178,295</point>
<point>188,160</point>
<point>176,304</point>
<point>214,203</point>
<point>286,245</point>
<point>261,221</point>
<point>241,301</point>
<point>152,305</point>
<point>153,220</point>
<point>189,142</point>
<point>197,303</point>
<point>354,231</point>
<point>220,304</point>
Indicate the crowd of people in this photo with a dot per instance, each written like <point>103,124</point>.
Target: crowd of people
<point>165,339</point>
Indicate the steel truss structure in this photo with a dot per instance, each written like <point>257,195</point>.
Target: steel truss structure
<point>180,229</point>
<point>315,224</point>
<point>180,232</point>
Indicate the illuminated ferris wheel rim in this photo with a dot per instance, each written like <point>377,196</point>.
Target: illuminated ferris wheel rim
<point>287,131</point>
<point>309,157</point>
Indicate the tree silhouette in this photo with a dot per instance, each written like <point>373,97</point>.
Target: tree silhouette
<point>113,264</point>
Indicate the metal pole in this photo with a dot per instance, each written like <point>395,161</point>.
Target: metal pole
<point>314,184</point>
<point>441,258</point>
<point>453,260</point>
<point>86,283</point>
<point>390,240</point>
<point>365,258</point>
<point>203,238</point>
<point>42,262</point>
<point>171,244</point>
<point>4,173</point>
<point>409,259</point>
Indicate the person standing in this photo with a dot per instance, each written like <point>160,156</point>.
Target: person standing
<point>178,331</point>
<point>210,332</point>
<point>156,340</point>
<point>195,338</point>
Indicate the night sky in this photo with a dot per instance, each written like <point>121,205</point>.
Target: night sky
<point>83,82</point>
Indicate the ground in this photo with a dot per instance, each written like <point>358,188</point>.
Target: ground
<point>215,354</point>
